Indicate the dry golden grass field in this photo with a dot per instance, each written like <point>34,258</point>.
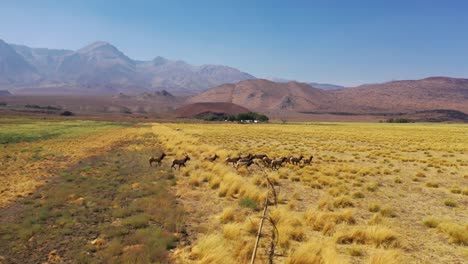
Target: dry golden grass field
<point>83,192</point>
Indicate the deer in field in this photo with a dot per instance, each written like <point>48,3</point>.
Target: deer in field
<point>247,158</point>
<point>267,161</point>
<point>259,156</point>
<point>244,163</point>
<point>213,158</point>
<point>308,161</point>
<point>157,160</point>
<point>296,161</point>
<point>180,162</point>
<point>275,164</point>
<point>232,160</point>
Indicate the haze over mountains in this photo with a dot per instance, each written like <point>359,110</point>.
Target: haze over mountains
<point>100,68</point>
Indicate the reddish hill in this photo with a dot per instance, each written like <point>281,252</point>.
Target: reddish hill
<point>401,96</point>
<point>201,109</point>
<point>267,96</point>
<point>392,97</point>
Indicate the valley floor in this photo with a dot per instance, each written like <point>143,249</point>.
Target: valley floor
<point>374,193</point>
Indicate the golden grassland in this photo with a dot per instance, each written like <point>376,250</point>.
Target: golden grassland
<point>366,198</point>
<point>374,193</point>
<point>33,150</point>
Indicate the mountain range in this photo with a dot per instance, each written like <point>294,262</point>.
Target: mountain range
<point>391,97</point>
<point>100,68</point>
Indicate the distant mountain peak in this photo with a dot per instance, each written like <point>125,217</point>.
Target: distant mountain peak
<point>102,67</point>
<point>160,60</point>
<point>100,46</point>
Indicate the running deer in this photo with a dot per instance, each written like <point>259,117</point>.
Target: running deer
<point>308,161</point>
<point>296,161</point>
<point>267,161</point>
<point>157,160</point>
<point>212,159</point>
<point>275,164</point>
<point>259,156</point>
<point>244,163</point>
<point>180,162</point>
<point>232,160</point>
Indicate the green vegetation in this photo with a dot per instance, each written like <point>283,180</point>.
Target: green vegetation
<point>248,203</point>
<point>251,116</point>
<point>399,120</point>
<point>28,130</point>
<point>98,211</point>
<point>48,107</point>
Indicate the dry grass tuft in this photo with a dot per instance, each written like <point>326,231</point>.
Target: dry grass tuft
<point>378,236</point>
<point>386,257</point>
<point>458,233</point>
<point>228,215</point>
<point>431,222</point>
<point>213,249</point>
<point>325,221</point>
<point>316,253</point>
<point>450,203</point>
<point>343,202</point>
<point>232,231</point>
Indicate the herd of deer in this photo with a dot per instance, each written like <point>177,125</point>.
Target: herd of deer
<point>240,161</point>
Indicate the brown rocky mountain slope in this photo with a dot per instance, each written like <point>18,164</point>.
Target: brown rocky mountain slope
<point>398,96</point>
<point>267,96</point>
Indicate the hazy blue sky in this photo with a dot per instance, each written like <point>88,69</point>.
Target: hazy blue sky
<point>342,42</point>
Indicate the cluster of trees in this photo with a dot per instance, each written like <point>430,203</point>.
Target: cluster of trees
<point>49,107</point>
<point>399,120</point>
<point>251,116</point>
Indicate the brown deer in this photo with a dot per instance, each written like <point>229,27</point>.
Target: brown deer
<point>308,161</point>
<point>296,161</point>
<point>267,161</point>
<point>180,162</point>
<point>275,164</point>
<point>246,158</point>
<point>244,163</point>
<point>157,160</point>
<point>212,159</point>
<point>232,160</point>
<point>259,156</point>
